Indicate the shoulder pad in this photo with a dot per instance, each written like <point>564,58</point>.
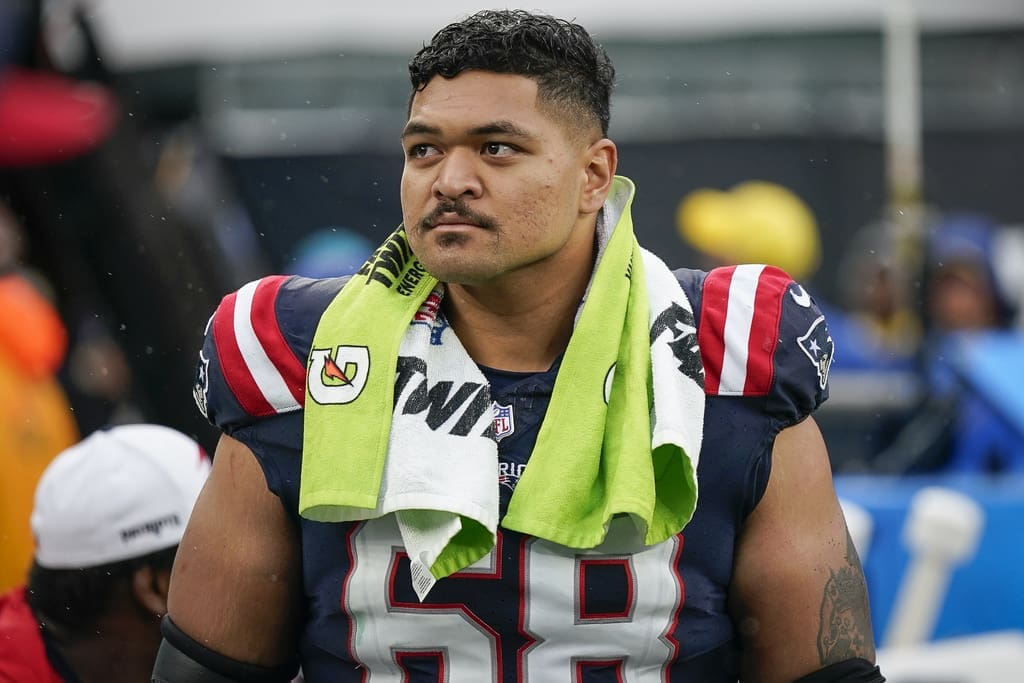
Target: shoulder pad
<point>761,335</point>
<point>253,360</point>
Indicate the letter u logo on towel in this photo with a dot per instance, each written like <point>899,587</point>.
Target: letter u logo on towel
<point>338,379</point>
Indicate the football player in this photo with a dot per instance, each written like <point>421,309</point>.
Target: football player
<point>508,193</point>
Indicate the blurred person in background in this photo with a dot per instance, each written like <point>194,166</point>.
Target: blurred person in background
<point>108,515</point>
<point>877,326</point>
<point>36,421</point>
<point>44,118</point>
<point>99,380</point>
<point>962,423</point>
<point>192,180</point>
<point>350,524</point>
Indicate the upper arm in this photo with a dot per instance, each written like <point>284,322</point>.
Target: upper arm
<point>236,583</point>
<point>798,593</point>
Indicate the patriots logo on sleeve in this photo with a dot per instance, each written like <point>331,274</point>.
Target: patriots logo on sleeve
<point>201,389</point>
<point>817,345</point>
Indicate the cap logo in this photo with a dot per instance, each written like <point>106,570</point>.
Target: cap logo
<point>154,527</point>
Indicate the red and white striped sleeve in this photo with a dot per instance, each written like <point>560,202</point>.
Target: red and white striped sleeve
<point>761,334</point>
<point>247,350</point>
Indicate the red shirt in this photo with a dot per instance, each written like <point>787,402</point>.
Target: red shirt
<point>22,651</point>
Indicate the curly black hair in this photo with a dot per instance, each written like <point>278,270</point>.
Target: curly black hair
<point>573,73</point>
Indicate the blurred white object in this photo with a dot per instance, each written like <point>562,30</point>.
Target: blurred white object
<point>995,657</point>
<point>1008,264</point>
<point>942,531</point>
<point>860,525</point>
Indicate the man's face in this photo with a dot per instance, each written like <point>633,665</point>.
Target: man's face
<point>962,299</point>
<point>492,184</point>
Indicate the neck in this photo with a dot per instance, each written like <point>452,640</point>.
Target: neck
<point>114,651</point>
<point>524,322</point>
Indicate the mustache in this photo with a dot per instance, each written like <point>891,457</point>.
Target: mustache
<point>459,208</point>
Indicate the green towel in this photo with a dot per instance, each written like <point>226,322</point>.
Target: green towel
<point>594,456</point>
<point>344,442</point>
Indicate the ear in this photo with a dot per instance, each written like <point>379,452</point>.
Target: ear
<point>149,586</point>
<point>602,159</point>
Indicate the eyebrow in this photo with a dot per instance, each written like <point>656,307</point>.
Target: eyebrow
<point>494,128</point>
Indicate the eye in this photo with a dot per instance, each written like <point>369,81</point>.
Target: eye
<point>422,151</point>
<point>498,149</point>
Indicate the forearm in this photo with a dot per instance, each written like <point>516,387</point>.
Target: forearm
<point>236,584</point>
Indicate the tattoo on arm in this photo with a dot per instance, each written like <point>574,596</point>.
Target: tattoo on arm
<point>844,629</point>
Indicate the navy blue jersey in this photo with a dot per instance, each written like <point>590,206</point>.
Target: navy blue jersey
<point>530,610</point>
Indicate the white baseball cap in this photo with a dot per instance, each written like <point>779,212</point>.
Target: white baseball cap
<point>119,493</point>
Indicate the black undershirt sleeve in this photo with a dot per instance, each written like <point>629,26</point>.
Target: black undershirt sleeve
<point>183,660</point>
<point>850,671</point>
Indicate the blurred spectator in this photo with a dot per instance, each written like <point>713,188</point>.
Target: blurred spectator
<point>99,380</point>
<point>109,513</point>
<point>962,423</point>
<point>44,118</point>
<point>877,327</point>
<point>964,291</point>
<point>36,421</point>
<point>195,184</point>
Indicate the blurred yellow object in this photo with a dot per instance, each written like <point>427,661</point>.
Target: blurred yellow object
<point>754,222</point>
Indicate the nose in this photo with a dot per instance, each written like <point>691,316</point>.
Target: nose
<point>457,175</point>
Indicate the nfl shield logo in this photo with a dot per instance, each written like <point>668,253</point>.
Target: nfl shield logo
<point>503,422</point>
